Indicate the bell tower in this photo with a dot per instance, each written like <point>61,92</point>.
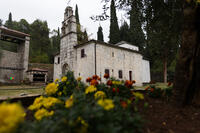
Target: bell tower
<point>68,41</point>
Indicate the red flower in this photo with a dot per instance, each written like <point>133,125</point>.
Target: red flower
<point>152,89</point>
<point>109,82</point>
<point>123,104</point>
<point>94,82</point>
<point>114,90</point>
<point>118,90</point>
<point>94,77</point>
<point>88,79</point>
<point>106,75</point>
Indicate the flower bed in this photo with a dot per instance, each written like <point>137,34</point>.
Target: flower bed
<point>70,105</point>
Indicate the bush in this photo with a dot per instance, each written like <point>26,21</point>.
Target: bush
<point>71,106</point>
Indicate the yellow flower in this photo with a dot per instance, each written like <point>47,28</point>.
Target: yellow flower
<point>37,103</point>
<point>42,113</point>
<point>80,119</point>
<point>51,89</point>
<point>116,82</point>
<point>138,95</point>
<point>59,93</point>
<point>99,94</point>
<point>69,102</point>
<point>64,79</point>
<point>107,104</point>
<point>56,80</point>
<point>79,78</point>
<point>43,102</point>
<point>50,101</point>
<point>90,89</point>
<point>10,116</point>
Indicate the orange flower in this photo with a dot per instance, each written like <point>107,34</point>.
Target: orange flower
<point>106,75</point>
<point>123,104</point>
<point>128,83</point>
<point>114,90</point>
<point>169,83</point>
<point>94,82</point>
<point>133,81</point>
<point>99,78</point>
<point>95,77</point>
<point>109,82</point>
<point>88,79</point>
<point>118,90</point>
<point>147,88</point>
<point>152,89</point>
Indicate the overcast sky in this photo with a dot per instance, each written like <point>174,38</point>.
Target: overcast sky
<point>53,12</point>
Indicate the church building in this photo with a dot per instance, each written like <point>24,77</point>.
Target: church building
<point>122,61</point>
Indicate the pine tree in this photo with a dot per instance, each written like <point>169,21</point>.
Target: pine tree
<point>114,28</point>
<point>136,20</point>
<point>77,15</point>
<point>9,22</point>
<point>124,32</point>
<point>100,34</point>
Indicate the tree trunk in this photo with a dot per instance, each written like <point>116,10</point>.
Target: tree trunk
<point>165,70</point>
<point>187,74</point>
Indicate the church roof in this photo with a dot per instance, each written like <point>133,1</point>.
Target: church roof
<point>106,44</point>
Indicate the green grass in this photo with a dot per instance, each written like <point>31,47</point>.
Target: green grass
<point>16,93</point>
<point>159,85</point>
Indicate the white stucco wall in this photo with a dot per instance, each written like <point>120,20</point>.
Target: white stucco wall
<point>122,60</point>
<point>146,71</point>
<point>57,68</point>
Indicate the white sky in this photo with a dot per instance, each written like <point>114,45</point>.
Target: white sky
<point>53,12</point>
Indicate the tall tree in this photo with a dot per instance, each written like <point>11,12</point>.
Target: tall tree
<point>77,15</point>
<point>9,22</point>
<point>114,27</point>
<point>100,34</point>
<point>187,76</point>
<point>124,32</point>
<point>136,21</point>
<point>1,22</point>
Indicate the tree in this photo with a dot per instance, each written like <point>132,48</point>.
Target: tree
<point>100,34</point>
<point>136,21</point>
<point>114,28</point>
<point>77,15</point>
<point>124,32</point>
<point>9,22</point>
<point>187,74</point>
<point>40,42</point>
<point>1,22</point>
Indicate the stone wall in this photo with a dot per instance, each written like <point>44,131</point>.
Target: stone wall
<point>10,64</point>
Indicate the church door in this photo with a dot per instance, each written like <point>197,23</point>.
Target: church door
<point>65,69</point>
<point>130,75</point>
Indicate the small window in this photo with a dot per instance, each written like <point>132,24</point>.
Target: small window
<point>107,71</point>
<point>113,54</point>
<point>120,74</point>
<point>82,53</point>
<point>58,60</point>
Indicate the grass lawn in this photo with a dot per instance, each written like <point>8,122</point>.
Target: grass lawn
<point>17,91</point>
<point>159,85</point>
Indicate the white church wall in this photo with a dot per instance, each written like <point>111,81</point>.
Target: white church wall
<point>146,71</point>
<point>122,60</point>
<point>57,68</point>
<point>85,66</point>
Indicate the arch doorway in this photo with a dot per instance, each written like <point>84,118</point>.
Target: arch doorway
<point>65,69</point>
